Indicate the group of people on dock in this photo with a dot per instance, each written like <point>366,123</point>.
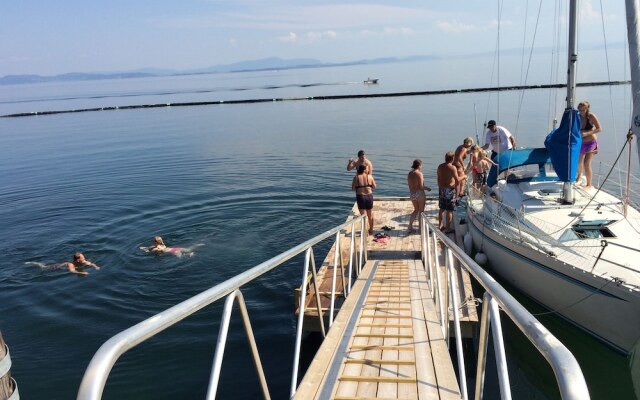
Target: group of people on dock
<point>452,174</point>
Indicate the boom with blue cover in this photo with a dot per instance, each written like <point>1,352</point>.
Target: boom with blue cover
<point>520,157</point>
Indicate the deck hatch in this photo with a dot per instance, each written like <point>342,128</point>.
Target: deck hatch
<point>593,229</point>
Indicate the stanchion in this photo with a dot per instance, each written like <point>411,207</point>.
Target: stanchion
<point>8,387</point>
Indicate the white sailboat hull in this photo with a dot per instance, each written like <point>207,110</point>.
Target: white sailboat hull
<point>596,304</point>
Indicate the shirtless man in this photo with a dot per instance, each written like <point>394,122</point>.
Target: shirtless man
<point>458,160</point>
<point>79,263</point>
<point>415,179</point>
<point>77,266</point>
<point>448,179</point>
<point>362,159</point>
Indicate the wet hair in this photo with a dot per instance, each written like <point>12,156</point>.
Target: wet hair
<point>449,156</point>
<point>416,164</point>
<point>158,240</point>
<point>361,153</point>
<point>467,141</point>
<point>362,168</point>
<point>77,256</point>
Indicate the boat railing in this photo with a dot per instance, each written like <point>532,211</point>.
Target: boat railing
<point>525,228</point>
<point>616,183</point>
<point>98,370</point>
<point>568,374</point>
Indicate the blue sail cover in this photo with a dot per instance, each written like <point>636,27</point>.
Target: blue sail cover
<point>517,158</point>
<point>564,145</point>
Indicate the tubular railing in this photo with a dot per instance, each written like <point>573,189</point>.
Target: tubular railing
<point>567,372</point>
<point>98,370</point>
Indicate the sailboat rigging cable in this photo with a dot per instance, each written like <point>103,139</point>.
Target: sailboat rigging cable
<point>526,76</point>
<point>611,107</point>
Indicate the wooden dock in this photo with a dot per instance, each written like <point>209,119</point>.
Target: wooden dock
<point>386,342</point>
<point>394,213</point>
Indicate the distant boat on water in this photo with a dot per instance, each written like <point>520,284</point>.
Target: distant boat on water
<point>371,81</point>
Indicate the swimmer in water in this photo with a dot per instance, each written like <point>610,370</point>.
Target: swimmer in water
<point>77,266</point>
<point>159,247</point>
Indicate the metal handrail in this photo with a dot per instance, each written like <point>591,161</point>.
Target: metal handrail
<point>222,340</point>
<point>98,370</point>
<point>569,377</point>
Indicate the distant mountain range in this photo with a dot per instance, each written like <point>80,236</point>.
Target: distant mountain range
<point>265,64</point>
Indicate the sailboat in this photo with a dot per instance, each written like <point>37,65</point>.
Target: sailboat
<point>573,250</point>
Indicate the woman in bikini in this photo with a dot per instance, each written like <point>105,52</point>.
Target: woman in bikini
<point>364,184</point>
<point>415,179</point>
<point>589,128</point>
<point>159,247</point>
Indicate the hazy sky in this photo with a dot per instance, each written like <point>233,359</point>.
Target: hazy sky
<point>53,37</point>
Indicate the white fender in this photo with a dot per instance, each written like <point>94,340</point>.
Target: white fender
<point>468,243</point>
<point>481,258</point>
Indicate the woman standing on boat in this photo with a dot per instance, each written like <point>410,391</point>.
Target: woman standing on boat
<point>363,184</point>
<point>589,128</point>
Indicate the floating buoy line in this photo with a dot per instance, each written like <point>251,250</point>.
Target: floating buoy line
<point>334,97</point>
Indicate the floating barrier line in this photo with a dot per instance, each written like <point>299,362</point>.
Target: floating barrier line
<point>334,97</point>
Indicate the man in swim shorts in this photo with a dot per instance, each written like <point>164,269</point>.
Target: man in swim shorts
<point>448,178</point>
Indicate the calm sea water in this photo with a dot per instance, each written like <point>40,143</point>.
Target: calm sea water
<point>246,182</point>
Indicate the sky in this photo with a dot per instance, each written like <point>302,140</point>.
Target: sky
<point>53,37</point>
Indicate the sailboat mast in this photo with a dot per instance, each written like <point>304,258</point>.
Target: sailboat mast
<point>572,52</point>
<point>572,63</point>
<point>633,36</point>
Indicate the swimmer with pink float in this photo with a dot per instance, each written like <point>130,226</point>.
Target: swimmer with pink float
<point>160,247</point>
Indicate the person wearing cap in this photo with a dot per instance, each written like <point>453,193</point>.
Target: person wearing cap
<point>499,138</point>
<point>361,160</point>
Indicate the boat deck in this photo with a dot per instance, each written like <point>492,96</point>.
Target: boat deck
<point>386,342</point>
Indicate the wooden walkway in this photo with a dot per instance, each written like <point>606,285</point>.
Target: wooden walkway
<point>400,246</point>
<point>386,342</point>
